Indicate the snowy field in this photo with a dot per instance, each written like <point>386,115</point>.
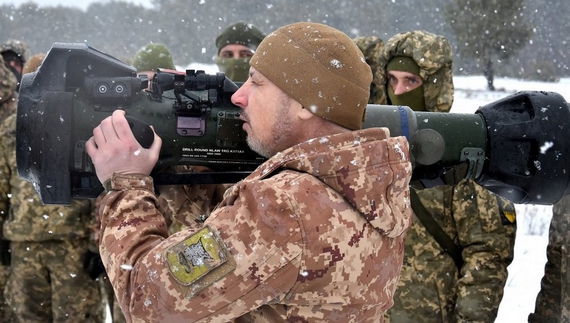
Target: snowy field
<point>532,220</point>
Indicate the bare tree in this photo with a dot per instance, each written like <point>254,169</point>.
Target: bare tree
<point>489,31</point>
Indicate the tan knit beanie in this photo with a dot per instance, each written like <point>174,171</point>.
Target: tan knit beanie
<point>320,67</point>
<point>33,63</point>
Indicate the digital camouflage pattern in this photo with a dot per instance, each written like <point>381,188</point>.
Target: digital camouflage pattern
<point>27,222</point>
<point>8,102</point>
<point>18,47</point>
<point>315,234</point>
<point>189,203</point>
<point>432,289</point>
<point>8,94</point>
<point>153,56</point>
<point>371,47</point>
<point>48,283</point>
<point>553,300</point>
<point>433,55</point>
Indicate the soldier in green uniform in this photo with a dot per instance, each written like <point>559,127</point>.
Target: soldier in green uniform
<point>553,300</point>
<point>236,45</point>
<point>8,102</point>
<point>15,54</point>
<point>462,238</point>
<point>49,244</point>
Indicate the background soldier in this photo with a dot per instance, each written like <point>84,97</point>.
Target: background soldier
<point>553,300</point>
<point>236,45</point>
<point>49,245</point>
<point>15,54</point>
<point>8,102</point>
<point>462,237</point>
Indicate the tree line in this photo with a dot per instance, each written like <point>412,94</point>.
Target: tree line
<point>512,38</point>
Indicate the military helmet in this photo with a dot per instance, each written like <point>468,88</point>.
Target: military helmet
<point>153,56</point>
<point>18,47</point>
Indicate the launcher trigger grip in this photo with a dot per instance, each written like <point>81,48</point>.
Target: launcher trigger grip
<point>142,131</point>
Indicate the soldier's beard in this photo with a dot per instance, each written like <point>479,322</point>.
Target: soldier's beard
<point>281,132</point>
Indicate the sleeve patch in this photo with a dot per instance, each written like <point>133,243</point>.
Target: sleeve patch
<point>199,260</point>
<point>507,210</point>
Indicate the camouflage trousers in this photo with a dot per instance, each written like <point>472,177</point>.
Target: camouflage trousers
<point>4,271</point>
<point>48,283</point>
<point>553,300</point>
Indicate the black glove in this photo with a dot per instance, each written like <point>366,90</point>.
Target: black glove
<point>93,264</point>
<point>4,252</point>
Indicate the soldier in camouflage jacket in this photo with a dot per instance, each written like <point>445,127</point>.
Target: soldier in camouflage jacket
<point>315,234</point>
<point>553,300</point>
<point>47,282</point>
<point>8,101</point>
<point>432,288</point>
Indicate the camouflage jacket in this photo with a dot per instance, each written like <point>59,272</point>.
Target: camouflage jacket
<point>8,94</point>
<point>432,289</point>
<point>371,47</point>
<point>28,219</point>
<point>553,300</point>
<point>315,234</point>
<point>433,55</point>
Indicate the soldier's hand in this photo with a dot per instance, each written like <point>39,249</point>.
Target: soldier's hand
<point>114,149</point>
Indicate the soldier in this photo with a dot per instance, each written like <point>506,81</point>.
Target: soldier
<point>371,47</point>
<point>15,54</point>
<point>462,238</point>
<point>236,45</point>
<point>153,56</point>
<point>49,245</point>
<point>8,102</point>
<point>314,234</point>
<point>553,300</point>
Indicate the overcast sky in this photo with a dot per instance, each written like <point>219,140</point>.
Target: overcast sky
<point>83,4</point>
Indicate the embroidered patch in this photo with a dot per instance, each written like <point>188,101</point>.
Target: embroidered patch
<point>507,210</point>
<point>199,260</point>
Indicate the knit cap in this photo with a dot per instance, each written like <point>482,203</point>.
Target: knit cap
<point>320,67</point>
<point>240,33</point>
<point>153,56</point>
<point>33,63</point>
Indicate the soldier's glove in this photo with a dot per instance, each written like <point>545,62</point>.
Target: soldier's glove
<point>93,264</point>
<point>4,252</point>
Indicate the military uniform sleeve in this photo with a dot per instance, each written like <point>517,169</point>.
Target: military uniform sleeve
<point>7,134</point>
<point>243,257</point>
<point>190,205</point>
<point>486,231</point>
